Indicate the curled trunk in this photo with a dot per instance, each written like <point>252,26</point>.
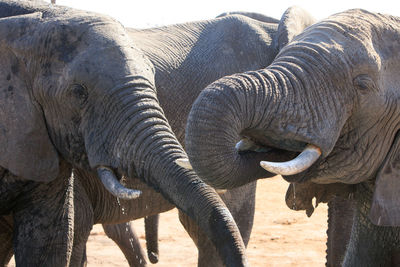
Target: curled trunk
<point>226,111</point>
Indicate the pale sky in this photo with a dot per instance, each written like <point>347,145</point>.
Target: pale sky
<point>147,13</point>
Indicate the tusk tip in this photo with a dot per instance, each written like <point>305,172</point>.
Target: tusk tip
<point>267,166</point>
<point>184,163</point>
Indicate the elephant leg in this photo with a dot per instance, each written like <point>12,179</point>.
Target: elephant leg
<point>125,237</point>
<point>370,245</point>
<point>241,203</point>
<point>83,224</point>
<point>6,237</point>
<point>340,222</point>
<point>151,229</point>
<point>44,222</point>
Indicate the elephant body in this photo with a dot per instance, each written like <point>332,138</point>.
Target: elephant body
<point>329,103</point>
<point>65,107</point>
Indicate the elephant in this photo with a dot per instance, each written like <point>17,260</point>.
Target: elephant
<point>77,93</point>
<point>328,102</point>
<point>186,58</point>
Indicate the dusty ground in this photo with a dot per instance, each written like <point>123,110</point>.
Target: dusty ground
<point>280,237</point>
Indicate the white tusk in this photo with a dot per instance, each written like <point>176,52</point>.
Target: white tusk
<point>302,162</point>
<point>184,163</point>
<point>112,184</point>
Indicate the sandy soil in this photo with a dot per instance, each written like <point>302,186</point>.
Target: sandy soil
<point>280,237</point>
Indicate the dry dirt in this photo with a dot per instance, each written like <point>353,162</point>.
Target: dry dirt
<point>280,237</point>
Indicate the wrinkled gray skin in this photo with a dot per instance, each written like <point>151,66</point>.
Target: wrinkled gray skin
<point>370,245</point>
<point>334,86</point>
<point>77,109</point>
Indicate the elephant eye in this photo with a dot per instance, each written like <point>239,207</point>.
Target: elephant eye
<point>79,92</point>
<point>364,83</point>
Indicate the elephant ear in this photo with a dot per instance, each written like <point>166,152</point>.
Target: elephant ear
<point>385,208</point>
<point>25,146</point>
<point>292,23</point>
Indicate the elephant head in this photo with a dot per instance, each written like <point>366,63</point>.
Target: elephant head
<point>330,97</point>
<point>75,88</point>
<point>222,155</point>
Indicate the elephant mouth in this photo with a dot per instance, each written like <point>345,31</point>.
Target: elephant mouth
<point>297,157</point>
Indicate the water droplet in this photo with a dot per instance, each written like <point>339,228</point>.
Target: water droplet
<point>294,196</point>
<point>131,241</point>
<point>314,202</point>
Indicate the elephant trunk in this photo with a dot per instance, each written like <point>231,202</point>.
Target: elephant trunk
<point>190,194</point>
<point>143,145</point>
<point>228,110</point>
